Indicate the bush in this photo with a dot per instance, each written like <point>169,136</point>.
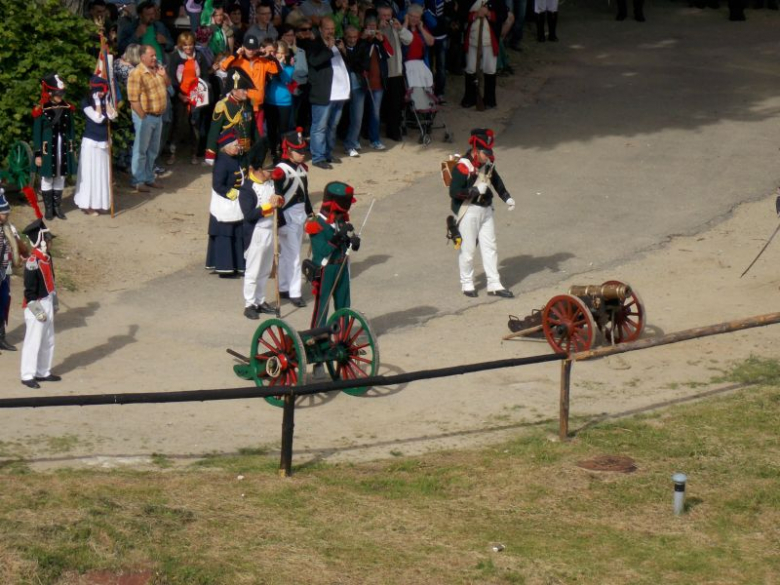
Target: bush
<point>39,37</point>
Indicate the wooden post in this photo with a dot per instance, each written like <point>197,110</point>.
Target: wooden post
<point>563,415</point>
<point>727,327</point>
<point>288,424</point>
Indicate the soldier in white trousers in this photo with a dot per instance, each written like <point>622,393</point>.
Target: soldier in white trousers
<point>474,179</point>
<point>258,201</point>
<point>40,304</point>
<point>291,181</point>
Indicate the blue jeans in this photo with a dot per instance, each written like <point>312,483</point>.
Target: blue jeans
<point>146,146</point>
<point>438,55</point>
<point>374,97</point>
<point>516,35</point>
<point>324,120</point>
<point>356,102</point>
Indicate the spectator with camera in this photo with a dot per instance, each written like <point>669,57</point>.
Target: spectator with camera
<point>396,37</point>
<point>329,81</point>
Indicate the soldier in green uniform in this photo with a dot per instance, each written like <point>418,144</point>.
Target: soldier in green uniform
<point>332,237</point>
<point>234,112</point>
<point>53,139</point>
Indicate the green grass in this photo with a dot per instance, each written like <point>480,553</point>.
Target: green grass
<point>432,518</point>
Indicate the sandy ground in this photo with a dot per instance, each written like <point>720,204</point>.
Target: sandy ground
<point>643,153</point>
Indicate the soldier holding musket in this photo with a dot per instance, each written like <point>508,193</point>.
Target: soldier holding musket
<point>474,179</point>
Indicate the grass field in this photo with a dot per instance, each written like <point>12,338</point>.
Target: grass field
<point>431,519</point>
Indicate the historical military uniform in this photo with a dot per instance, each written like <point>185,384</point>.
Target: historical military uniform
<point>232,114</point>
<point>53,142</point>
<point>40,305</point>
<point>481,39</point>
<point>331,237</point>
<point>8,238</point>
<point>472,204</point>
<point>225,251</point>
<point>291,181</point>
<point>256,197</point>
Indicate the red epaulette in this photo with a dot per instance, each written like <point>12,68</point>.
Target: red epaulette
<point>463,169</point>
<point>277,174</point>
<point>37,111</point>
<point>312,227</point>
<point>72,107</point>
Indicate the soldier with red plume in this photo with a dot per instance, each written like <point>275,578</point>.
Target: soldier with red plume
<point>473,180</point>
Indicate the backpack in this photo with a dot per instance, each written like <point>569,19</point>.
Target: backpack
<point>446,168</point>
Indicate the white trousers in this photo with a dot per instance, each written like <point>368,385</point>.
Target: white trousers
<point>489,61</point>
<point>545,6</point>
<point>38,348</point>
<point>259,260</point>
<point>290,241</point>
<point>478,224</point>
<point>52,183</point>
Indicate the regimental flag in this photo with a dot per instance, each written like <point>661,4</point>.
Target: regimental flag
<point>105,69</point>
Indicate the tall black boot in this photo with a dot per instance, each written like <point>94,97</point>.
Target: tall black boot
<point>552,24</point>
<point>490,91</point>
<point>736,10</point>
<point>622,9</point>
<point>639,13</point>
<point>4,345</point>
<point>57,204</point>
<point>470,94</point>
<point>540,27</point>
<point>48,205</point>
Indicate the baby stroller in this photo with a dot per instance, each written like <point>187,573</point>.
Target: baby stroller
<point>421,102</point>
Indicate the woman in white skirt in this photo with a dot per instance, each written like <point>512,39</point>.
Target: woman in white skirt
<point>93,185</point>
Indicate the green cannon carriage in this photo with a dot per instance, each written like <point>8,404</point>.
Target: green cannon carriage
<point>280,355</point>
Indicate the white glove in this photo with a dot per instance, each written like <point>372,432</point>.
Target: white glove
<point>37,310</point>
<point>510,203</point>
<point>481,187</point>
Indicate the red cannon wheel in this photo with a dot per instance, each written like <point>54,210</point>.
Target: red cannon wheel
<point>629,320</point>
<point>277,357</point>
<point>568,324</point>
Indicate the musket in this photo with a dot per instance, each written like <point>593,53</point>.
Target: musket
<point>343,264</point>
<point>237,355</point>
<point>769,241</point>
<point>480,76</point>
<point>275,267</point>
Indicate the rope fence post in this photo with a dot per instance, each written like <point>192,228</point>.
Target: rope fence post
<point>563,412</point>
<point>288,426</point>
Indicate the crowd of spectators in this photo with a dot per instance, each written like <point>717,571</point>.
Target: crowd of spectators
<point>335,69</point>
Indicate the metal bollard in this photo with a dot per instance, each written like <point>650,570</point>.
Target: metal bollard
<point>679,480</point>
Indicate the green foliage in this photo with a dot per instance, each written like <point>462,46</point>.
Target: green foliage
<point>37,38</point>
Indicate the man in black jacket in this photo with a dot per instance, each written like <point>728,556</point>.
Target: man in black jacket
<point>329,80</point>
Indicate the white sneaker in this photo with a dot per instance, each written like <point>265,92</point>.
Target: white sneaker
<point>352,152</point>
<point>378,146</point>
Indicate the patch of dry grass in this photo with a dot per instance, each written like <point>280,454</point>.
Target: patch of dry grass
<point>430,519</point>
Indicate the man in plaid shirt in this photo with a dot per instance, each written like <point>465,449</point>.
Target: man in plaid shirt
<point>147,88</point>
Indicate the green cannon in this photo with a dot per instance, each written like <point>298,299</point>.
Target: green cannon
<point>280,355</point>
<point>20,169</point>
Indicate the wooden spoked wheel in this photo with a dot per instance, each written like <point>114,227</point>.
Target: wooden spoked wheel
<point>21,167</point>
<point>355,352</point>
<point>278,357</point>
<point>629,318</point>
<point>568,324</point>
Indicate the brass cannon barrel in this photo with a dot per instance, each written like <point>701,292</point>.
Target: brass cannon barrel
<point>605,291</point>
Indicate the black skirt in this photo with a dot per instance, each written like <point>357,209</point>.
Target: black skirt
<point>225,252</point>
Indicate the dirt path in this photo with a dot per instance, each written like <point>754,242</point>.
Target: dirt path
<point>617,139</point>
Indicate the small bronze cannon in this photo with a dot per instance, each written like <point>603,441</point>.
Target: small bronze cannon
<point>569,321</point>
